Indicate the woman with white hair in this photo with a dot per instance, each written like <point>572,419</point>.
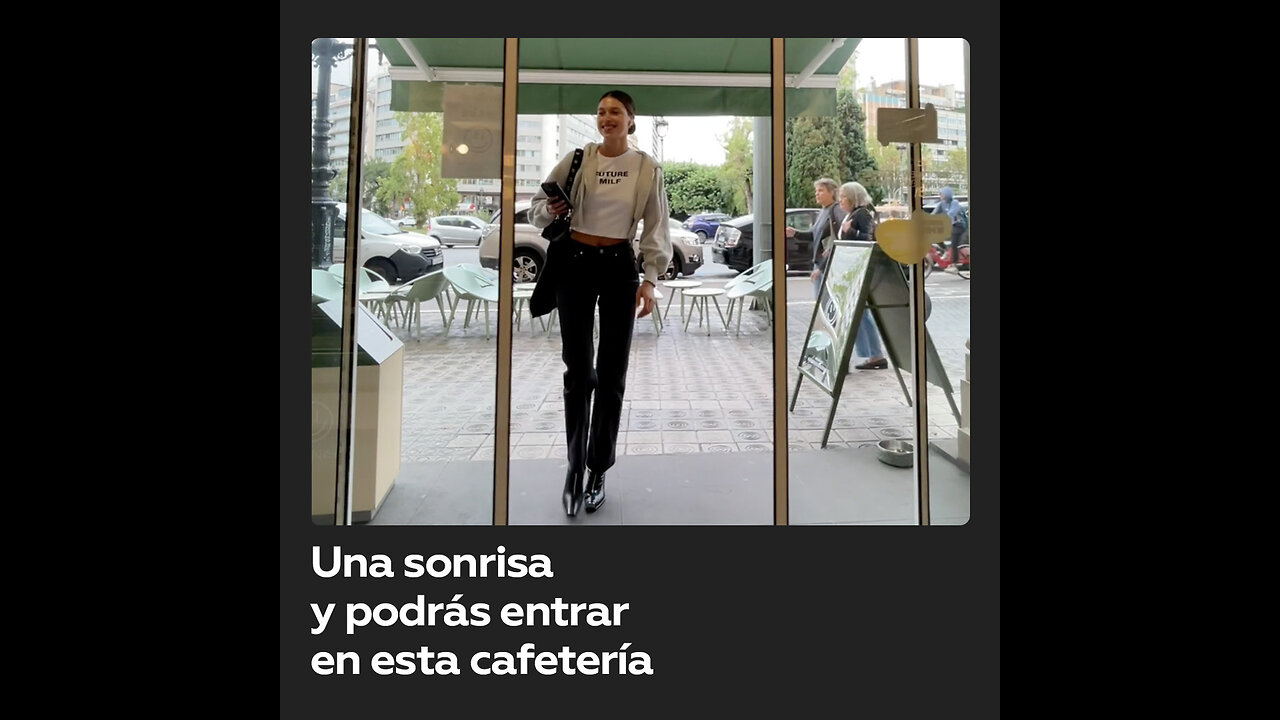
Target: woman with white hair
<point>860,224</point>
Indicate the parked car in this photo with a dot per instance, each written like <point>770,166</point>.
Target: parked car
<point>453,230</point>
<point>407,221</point>
<point>531,248</point>
<point>928,202</point>
<point>704,224</point>
<point>385,249</point>
<point>734,243</point>
<point>686,247</point>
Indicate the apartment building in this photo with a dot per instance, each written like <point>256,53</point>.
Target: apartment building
<point>950,105</point>
<point>541,140</point>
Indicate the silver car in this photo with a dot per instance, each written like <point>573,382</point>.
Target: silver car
<point>453,230</point>
<point>385,249</point>
<point>686,247</point>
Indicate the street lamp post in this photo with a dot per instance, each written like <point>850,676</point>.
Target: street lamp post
<point>325,54</point>
<point>660,127</point>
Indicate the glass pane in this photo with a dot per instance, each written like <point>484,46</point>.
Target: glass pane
<point>849,347</point>
<point>946,173</point>
<point>423,451</point>
<point>694,427</point>
<point>330,113</point>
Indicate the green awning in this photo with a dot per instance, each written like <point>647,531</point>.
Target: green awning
<point>665,76</point>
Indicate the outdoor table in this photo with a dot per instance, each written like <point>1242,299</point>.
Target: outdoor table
<point>700,295</point>
<point>520,293</point>
<point>676,287</point>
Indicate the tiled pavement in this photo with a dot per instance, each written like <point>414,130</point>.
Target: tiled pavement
<point>691,398</point>
<point>686,392</point>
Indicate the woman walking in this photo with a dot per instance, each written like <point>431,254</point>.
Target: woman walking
<point>615,187</point>
<point>859,224</point>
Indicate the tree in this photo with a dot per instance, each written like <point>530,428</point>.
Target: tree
<point>813,151</point>
<point>953,171</point>
<point>957,162</point>
<point>692,188</point>
<point>338,186</point>
<point>374,171</point>
<point>889,178</point>
<point>855,162</point>
<point>415,173</point>
<point>735,173</point>
<point>829,146</point>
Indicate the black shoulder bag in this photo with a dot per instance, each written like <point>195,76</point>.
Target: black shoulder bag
<point>543,300</point>
<point>559,228</point>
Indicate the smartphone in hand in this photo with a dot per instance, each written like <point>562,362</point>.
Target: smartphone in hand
<point>555,192</point>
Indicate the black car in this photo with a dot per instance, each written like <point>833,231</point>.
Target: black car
<point>734,244</point>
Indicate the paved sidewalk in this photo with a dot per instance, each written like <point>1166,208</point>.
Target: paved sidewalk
<point>688,394</point>
<point>686,391</point>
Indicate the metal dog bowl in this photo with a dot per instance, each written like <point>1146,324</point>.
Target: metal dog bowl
<point>894,452</point>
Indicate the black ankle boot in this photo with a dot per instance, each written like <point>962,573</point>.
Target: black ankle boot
<point>572,495</point>
<point>595,490</point>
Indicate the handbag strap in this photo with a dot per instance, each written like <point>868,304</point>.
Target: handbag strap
<point>573,170</point>
<point>831,227</point>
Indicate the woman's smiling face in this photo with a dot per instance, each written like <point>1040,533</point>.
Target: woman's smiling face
<point>612,118</point>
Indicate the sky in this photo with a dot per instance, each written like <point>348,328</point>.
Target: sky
<point>941,63</point>
<point>694,139</point>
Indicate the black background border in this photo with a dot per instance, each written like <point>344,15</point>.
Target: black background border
<point>893,621</point>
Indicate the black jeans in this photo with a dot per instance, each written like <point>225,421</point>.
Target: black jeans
<point>607,277</point>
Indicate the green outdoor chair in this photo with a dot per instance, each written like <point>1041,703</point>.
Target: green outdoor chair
<point>478,269</point>
<point>741,285</point>
<point>484,273</point>
<point>469,286</point>
<point>370,280</point>
<point>325,286</point>
<point>428,287</point>
<point>762,291</point>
